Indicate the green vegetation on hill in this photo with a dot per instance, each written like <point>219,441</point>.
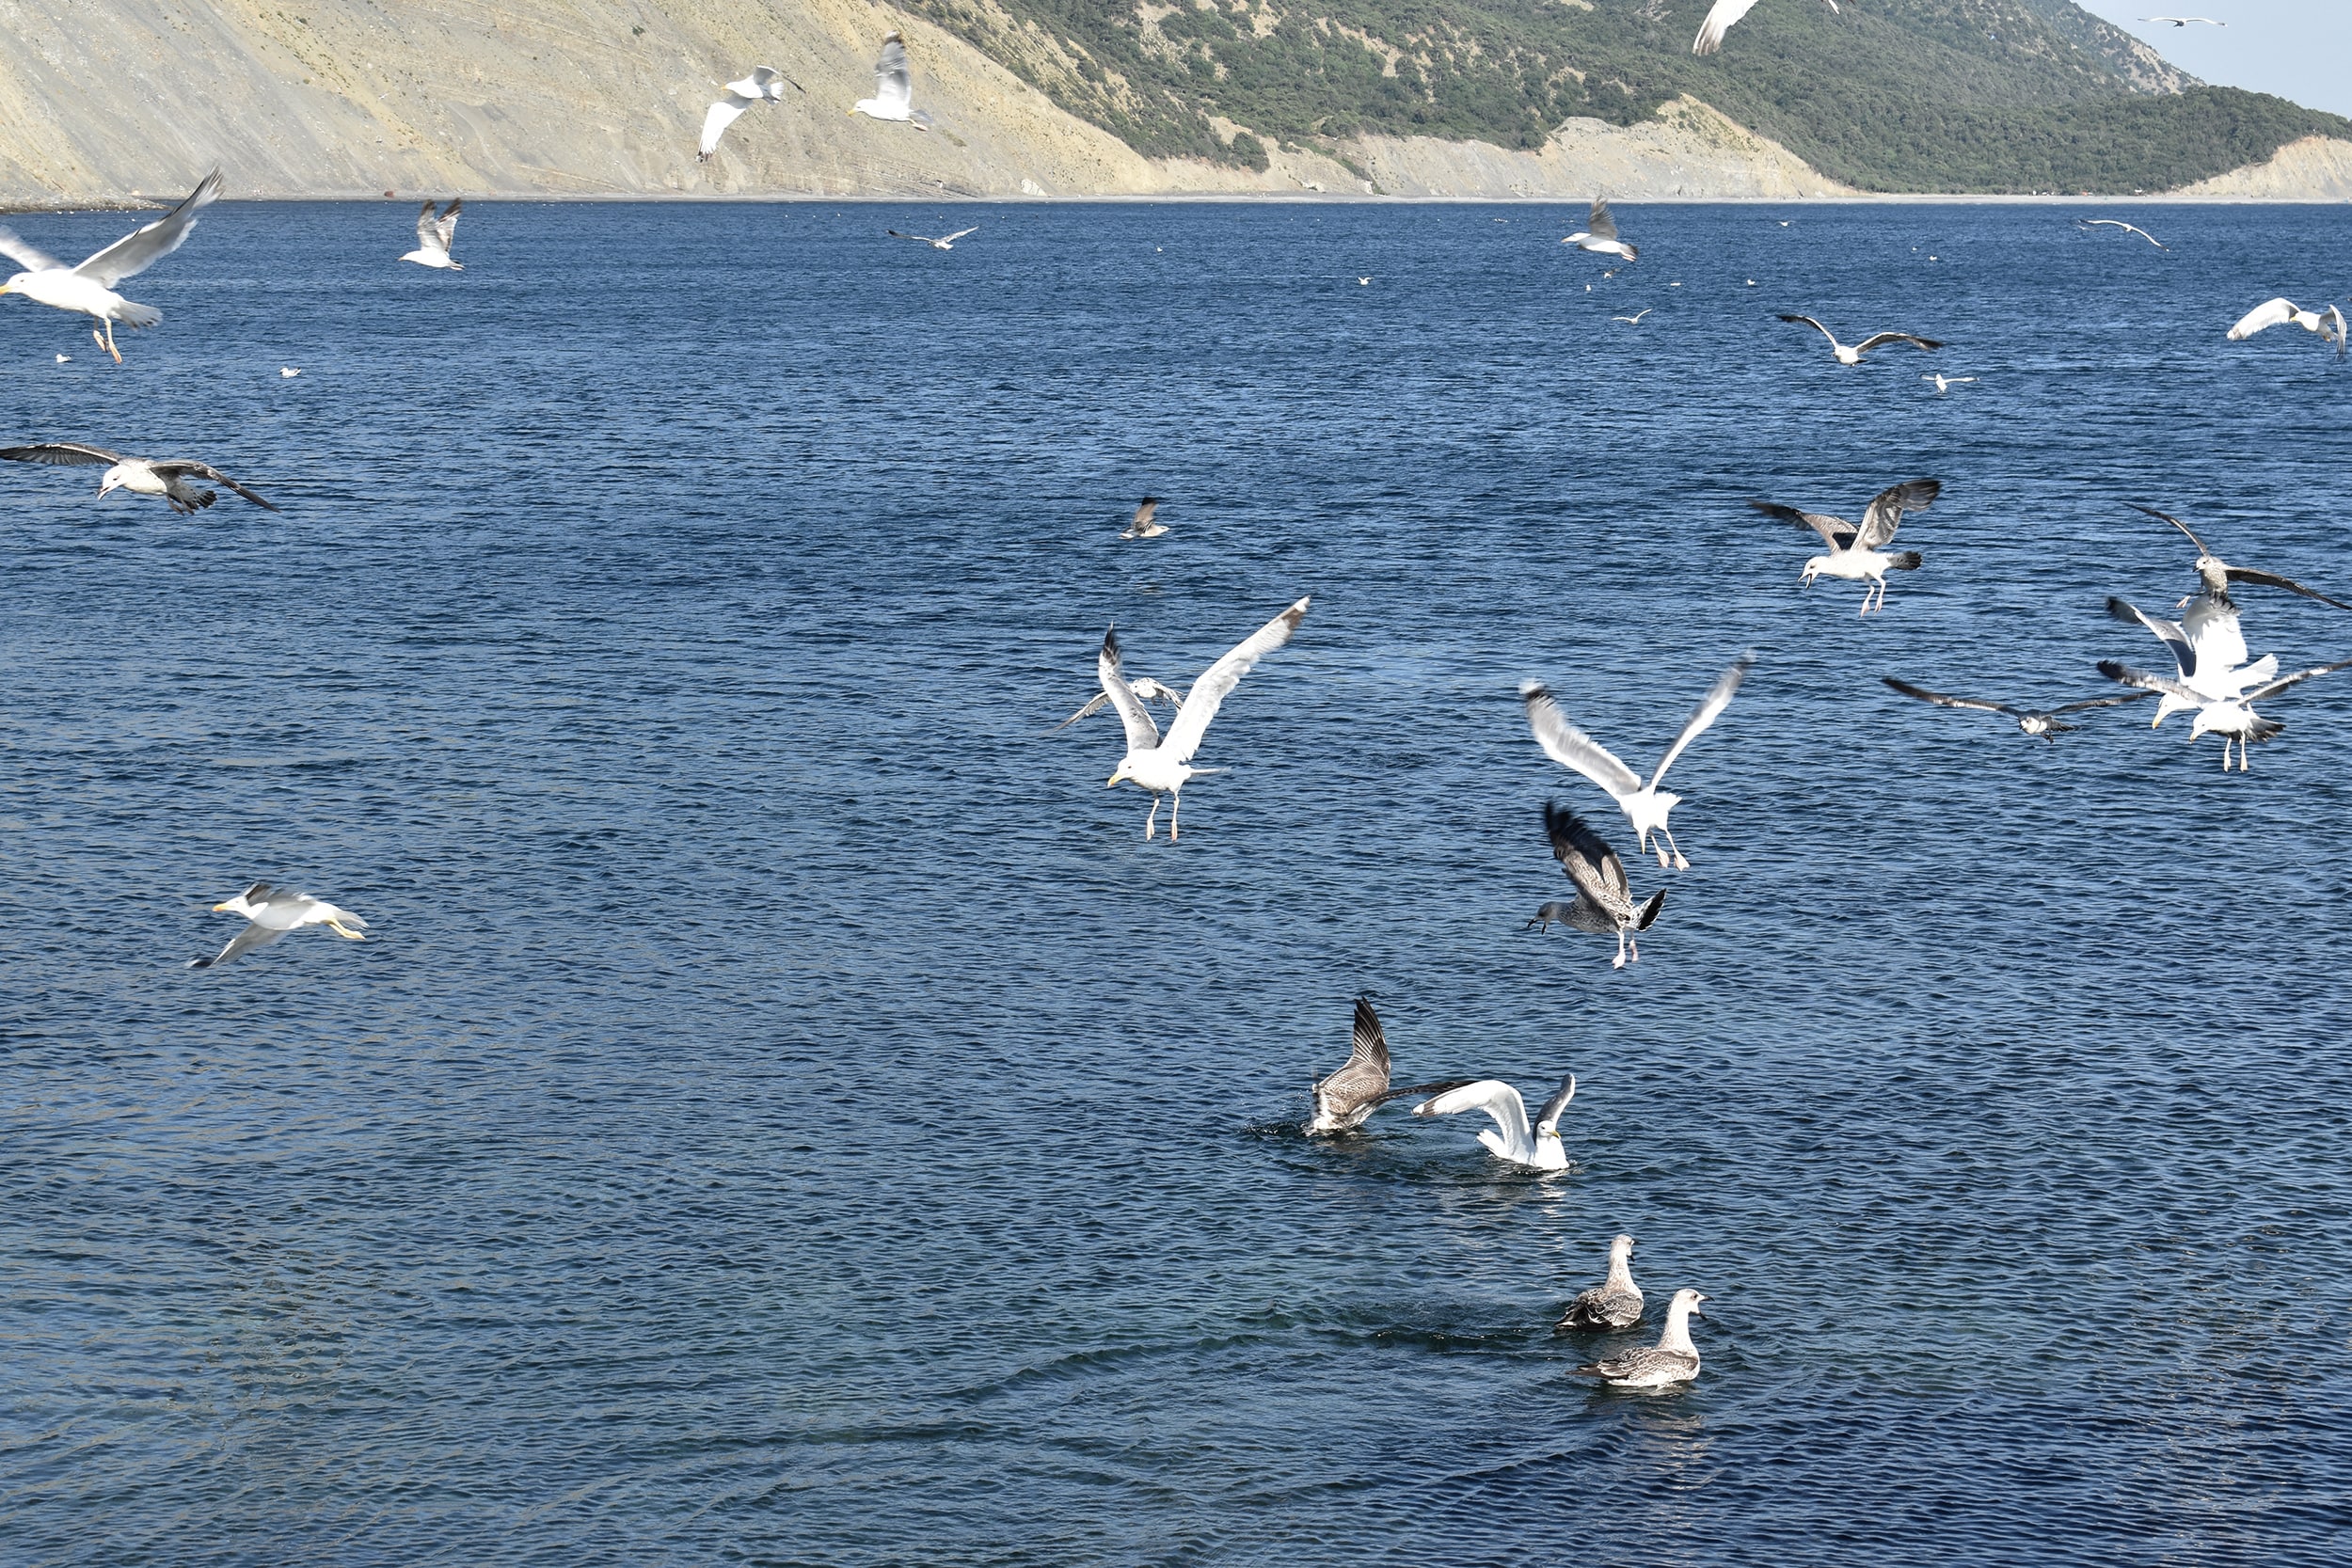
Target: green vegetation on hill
<point>1891,95</point>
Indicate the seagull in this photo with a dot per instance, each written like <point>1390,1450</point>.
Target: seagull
<point>1147,689</point>
<point>1719,21</point>
<point>946,242</point>
<point>1854,355</point>
<point>1604,902</point>
<point>2185,21</point>
<point>1855,553</point>
<point>2128,228</point>
<point>2208,652</point>
<point>1615,1302</point>
<point>142,476</point>
<point>89,289</point>
<point>1163,766</point>
<point>65,358</point>
<point>2216,573</point>
<point>1674,1360</point>
<point>1635,319</point>
<point>1143,525</point>
<point>765,84</point>
<point>287,372</point>
<point>894,88</point>
<point>1537,1149</point>
<point>1599,236</point>
<point>2041,721</point>
<point>1946,383</point>
<point>2329,323</point>
<point>1642,803</point>
<point>434,235</point>
<point>1364,282</point>
<point>2231,718</point>
<point>1346,1099</point>
<point>273,912</point>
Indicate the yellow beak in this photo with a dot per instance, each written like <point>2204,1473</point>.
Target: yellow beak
<point>3,288</point>
<point>1112,780</point>
<point>220,909</point>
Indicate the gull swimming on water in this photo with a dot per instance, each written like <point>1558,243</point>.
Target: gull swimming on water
<point>1346,1099</point>
<point>273,912</point>
<point>2128,228</point>
<point>765,84</point>
<point>1604,900</point>
<point>1141,526</point>
<point>1599,235</point>
<point>894,88</point>
<point>434,235</point>
<point>89,287</point>
<point>2231,718</point>
<point>1855,553</point>
<point>946,242</point>
<point>1147,689</point>
<point>1675,1359</point>
<point>1719,21</point>
<point>1946,383</point>
<point>2328,323</point>
<point>1164,766</point>
<point>1644,805</point>
<point>1510,1138</point>
<point>2041,721</point>
<point>1615,1302</point>
<point>1854,355</point>
<point>142,476</point>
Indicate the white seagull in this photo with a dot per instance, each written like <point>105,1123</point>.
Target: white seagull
<point>1604,900</point>
<point>1164,766</point>
<point>946,242</point>
<point>894,88</point>
<point>1643,804</point>
<point>2128,228</point>
<point>2208,652</point>
<point>89,289</point>
<point>1147,689</point>
<point>1615,1302</point>
<point>1635,319</point>
<point>434,234</point>
<point>2328,323</point>
<point>1599,234</point>
<point>1946,383</point>
<point>2215,575</point>
<point>2231,718</point>
<point>1719,21</point>
<point>1855,553</point>
<point>765,84</point>
<point>1854,355</point>
<point>1674,1360</point>
<point>1142,525</point>
<point>1346,1099</point>
<point>166,477</point>
<point>2185,21</point>
<point>273,912</point>
<point>1510,1138</point>
<point>2041,721</point>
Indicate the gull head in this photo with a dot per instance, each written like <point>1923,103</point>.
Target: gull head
<point>12,282</point>
<point>114,479</point>
<point>1687,1302</point>
<point>244,902</point>
<point>1122,771</point>
<point>1621,1249</point>
<point>1814,566</point>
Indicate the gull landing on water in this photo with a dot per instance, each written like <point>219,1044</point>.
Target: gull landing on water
<point>1537,1148</point>
<point>1855,553</point>
<point>1599,236</point>
<point>1615,1302</point>
<point>2041,721</point>
<point>2128,228</point>
<point>1142,525</point>
<point>1604,900</point>
<point>1675,1359</point>
<point>273,911</point>
<point>89,289</point>
<point>167,478</point>
<point>1854,355</point>
<point>1164,766</point>
<point>894,88</point>
<point>945,241</point>
<point>1346,1099</point>
<point>1645,805</point>
<point>2232,718</point>
<point>2328,323</point>
<point>434,235</point>
<point>1719,21</point>
<point>765,84</point>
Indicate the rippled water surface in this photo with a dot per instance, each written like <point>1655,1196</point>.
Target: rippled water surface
<point>787,1113</point>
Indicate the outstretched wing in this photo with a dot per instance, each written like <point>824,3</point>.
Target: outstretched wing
<point>428,237</point>
<point>2175,522</point>
<point>1365,1074</point>
<point>1603,227</point>
<point>1571,747</point>
<point>893,80</point>
<point>69,455</point>
<point>2146,682</point>
<point>1216,683</point>
<point>1493,1096</point>
<point>1886,508</point>
<point>445,224</point>
<point>1718,23</point>
<point>2167,632</point>
<point>141,249</point>
<point>1145,510</point>
<point>1558,1102</point>
<point>1585,856</point>
<point>2101,702</point>
<point>2295,679</point>
<point>243,941</point>
<point>1710,709</point>
<point>901,234</point>
<point>950,239</point>
<point>723,113</point>
<point>2272,579</point>
<point>1811,322</point>
<point>2269,313</point>
<point>1879,339</point>
<point>24,255</point>
<point>1943,700</point>
<point>206,471</point>
<point>1835,533</point>
<point>1142,735</point>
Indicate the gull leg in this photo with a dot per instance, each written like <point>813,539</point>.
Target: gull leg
<point>1151,823</point>
<point>1680,863</point>
<point>1176,804</point>
<point>110,341</point>
<point>338,928</point>
<point>1618,962</point>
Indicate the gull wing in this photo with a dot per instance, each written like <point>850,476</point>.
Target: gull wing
<point>72,454</point>
<point>1942,699</point>
<point>445,224</point>
<point>141,249</point>
<point>2101,702</point>
<point>2332,330</point>
<point>2211,626</point>
<point>1493,1096</point>
<point>2295,679</point>
<point>1145,510</point>
<point>2272,579</point>
<point>1811,322</point>
<point>243,941</point>
<point>1216,683</point>
<point>1571,747</point>
<point>1835,533</point>
<point>206,471</point>
<point>24,255</point>
<point>1603,227</point>
<point>429,234</point>
<point>1558,1102</point>
<point>2167,632</point>
<point>1364,1075</point>
<point>1142,735</point>
<point>2146,682</point>
<point>1411,1090</point>
<point>765,80</point>
<point>893,80</point>
<point>950,239</point>
<point>2269,313</point>
<point>1710,709</point>
<point>2175,522</point>
<point>1886,508</point>
<point>2128,228</point>
<point>1591,864</point>
<point>1879,339</point>
<point>1718,23</point>
<point>723,113</point>
<point>900,234</point>
<point>1153,692</point>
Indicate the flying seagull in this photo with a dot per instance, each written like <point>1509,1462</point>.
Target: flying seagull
<point>1644,805</point>
<point>1163,766</point>
<point>1854,355</point>
<point>1604,901</point>
<point>1510,1138</point>
<point>434,235</point>
<point>1946,383</point>
<point>1855,553</point>
<point>894,88</point>
<point>2208,650</point>
<point>1147,689</point>
<point>2185,21</point>
<point>2329,323</point>
<point>2216,573</point>
<point>946,242</point>
<point>1615,1302</point>
<point>2128,228</point>
<point>1141,526</point>
<point>1674,1360</point>
<point>89,289</point>
<point>2231,718</point>
<point>1346,1099</point>
<point>1599,234</point>
<point>765,84</point>
<point>1719,21</point>
<point>273,912</point>
<point>142,476</point>
<point>2041,721</point>
<point>1635,319</point>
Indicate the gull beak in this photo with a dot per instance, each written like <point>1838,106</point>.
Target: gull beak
<point>3,288</point>
<point>1109,781</point>
<point>220,909</point>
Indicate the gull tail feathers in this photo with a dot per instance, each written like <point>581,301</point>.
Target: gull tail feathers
<point>137,315</point>
<point>1908,560</point>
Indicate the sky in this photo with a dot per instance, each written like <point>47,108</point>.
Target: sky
<point>2295,48</point>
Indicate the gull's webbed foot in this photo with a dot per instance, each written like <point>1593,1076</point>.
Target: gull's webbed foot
<point>1681,863</point>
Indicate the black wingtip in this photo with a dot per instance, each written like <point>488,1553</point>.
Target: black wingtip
<point>1648,916</point>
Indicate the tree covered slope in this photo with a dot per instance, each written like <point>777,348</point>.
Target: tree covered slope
<point>1885,95</point>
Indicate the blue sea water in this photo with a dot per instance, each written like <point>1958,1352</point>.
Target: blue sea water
<point>786,1113</point>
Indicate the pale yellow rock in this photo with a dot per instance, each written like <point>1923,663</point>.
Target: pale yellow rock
<point>2317,169</point>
